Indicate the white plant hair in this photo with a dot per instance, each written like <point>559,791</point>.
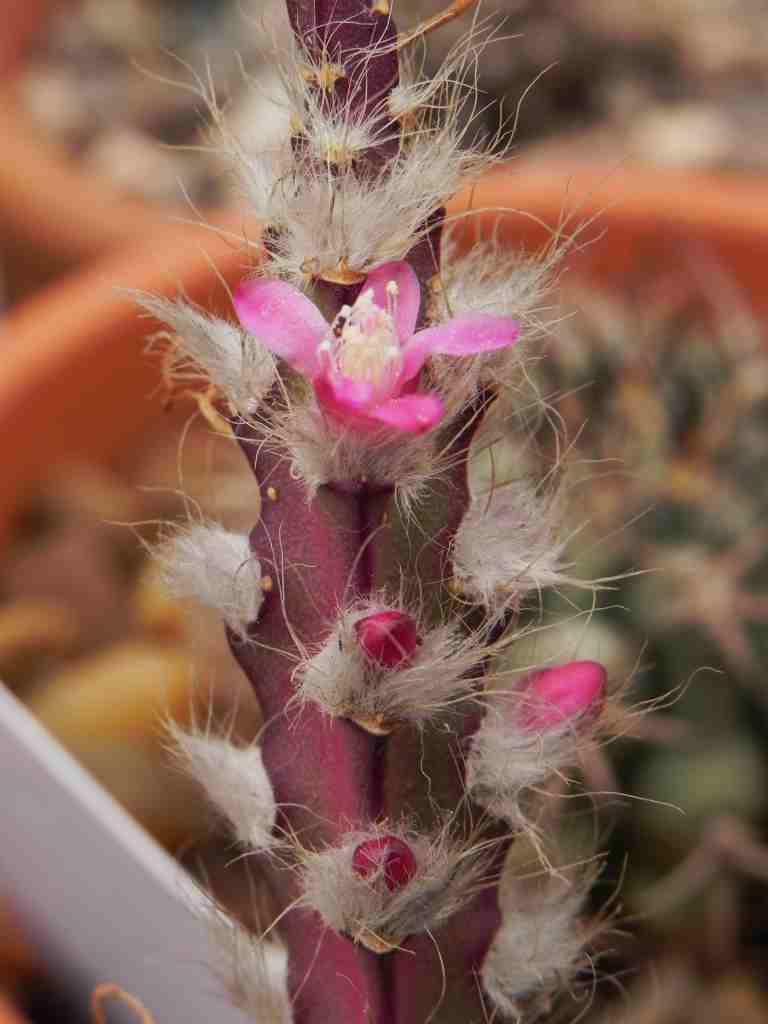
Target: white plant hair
<point>489,277</point>
<point>322,452</point>
<point>327,222</point>
<point>215,567</point>
<point>327,215</point>
<point>448,874</point>
<point>252,971</point>
<point>538,948</point>
<point>508,760</point>
<point>509,544</point>
<point>235,782</point>
<point>344,682</point>
<point>238,365</point>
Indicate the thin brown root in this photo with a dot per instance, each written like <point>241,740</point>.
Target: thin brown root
<point>454,10</point>
<point>108,990</point>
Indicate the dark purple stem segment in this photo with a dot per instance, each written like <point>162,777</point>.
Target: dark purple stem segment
<point>356,38</point>
<point>323,773</point>
<point>435,976</point>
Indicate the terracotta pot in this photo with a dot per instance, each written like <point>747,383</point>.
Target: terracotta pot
<point>21,23</point>
<point>634,222</point>
<point>75,380</point>
<point>53,216</point>
<point>9,1014</point>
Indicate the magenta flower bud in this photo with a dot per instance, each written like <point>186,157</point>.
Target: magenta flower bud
<point>388,638</point>
<point>389,855</point>
<point>560,695</point>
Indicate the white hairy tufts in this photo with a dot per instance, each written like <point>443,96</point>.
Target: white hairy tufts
<point>324,218</point>
<point>254,973</point>
<point>447,875</point>
<point>323,452</point>
<point>215,567</point>
<point>325,222</point>
<point>490,277</point>
<point>235,782</point>
<point>507,760</point>
<point>538,948</point>
<point>236,363</point>
<point>343,682</point>
<point>508,545</point>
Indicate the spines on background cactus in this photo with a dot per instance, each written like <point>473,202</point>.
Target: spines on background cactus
<point>375,588</point>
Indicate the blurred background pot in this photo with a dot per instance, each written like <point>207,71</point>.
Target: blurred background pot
<point>76,380</point>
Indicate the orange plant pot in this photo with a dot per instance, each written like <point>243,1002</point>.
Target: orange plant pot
<point>9,1014</point>
<point>75,379</point>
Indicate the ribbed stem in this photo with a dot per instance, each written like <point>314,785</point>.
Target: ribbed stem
<point>328,775</point>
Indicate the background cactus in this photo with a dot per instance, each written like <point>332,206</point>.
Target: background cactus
<point>381,582</point>
<point>665,393</point>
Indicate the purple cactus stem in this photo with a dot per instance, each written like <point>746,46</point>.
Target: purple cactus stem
<point>354,37</point>
<point>388,638</point>
<point>388,854</point>
<point>329,776</point>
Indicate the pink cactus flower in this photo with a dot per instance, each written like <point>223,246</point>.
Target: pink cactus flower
<point>365,365</point>
<point>563,694</point>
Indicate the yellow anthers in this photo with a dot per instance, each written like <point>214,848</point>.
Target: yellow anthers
<point>381,7</point>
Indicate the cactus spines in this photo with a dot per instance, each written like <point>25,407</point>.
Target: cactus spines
<point>382,586</point>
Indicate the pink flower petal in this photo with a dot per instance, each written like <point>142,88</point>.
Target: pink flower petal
<point>464,335</point>
<point>287,322</point>
<point>408,297</point>
<point>413,414</point>
<point>344,393</point>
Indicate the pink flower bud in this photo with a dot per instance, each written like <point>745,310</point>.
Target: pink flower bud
<point>556,696</point>
<point>388,638</point>
<point>387,854</point>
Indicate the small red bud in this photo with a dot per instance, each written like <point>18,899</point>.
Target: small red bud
<point>387,854</point>
<point>554,696</point>
<point>388,638</point>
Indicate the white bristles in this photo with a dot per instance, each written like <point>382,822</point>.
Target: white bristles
<point>537,949</point>
<point>237,364</point>
<point>342,681</point>
<point>488,277</point>
<point>506,760</point>
<point>252,971</point>
<point>235,781</point>
<point>215,567</point>
<point>321,453</point>
<point>325,220</point>
<point>328,221</point>
<point>508,545</point>
<point>446,876</point>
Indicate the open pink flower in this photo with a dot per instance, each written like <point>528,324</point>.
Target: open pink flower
<point>365,364</point>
